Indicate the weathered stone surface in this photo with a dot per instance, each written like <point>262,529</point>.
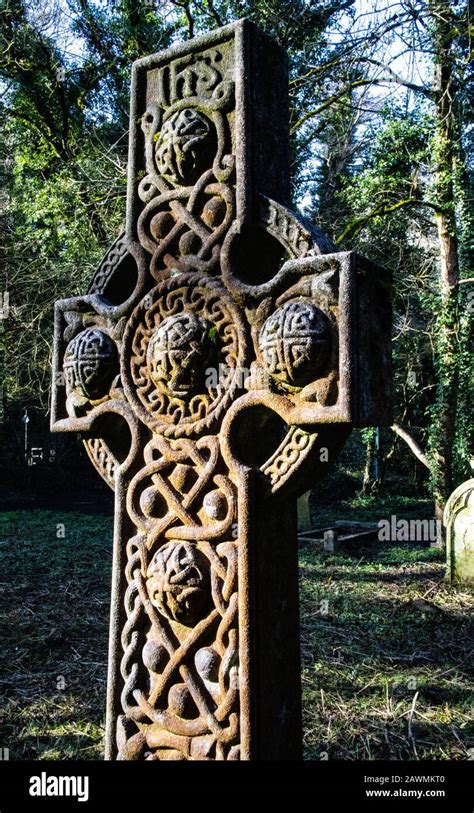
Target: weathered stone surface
<point>459,522</point>
<point>217,363</point>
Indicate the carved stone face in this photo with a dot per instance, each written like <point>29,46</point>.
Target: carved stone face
<point>90,364</point>
<point>185,147</point>
<point>179,353</point>
<point>178,581</point>
<point>295,342</point>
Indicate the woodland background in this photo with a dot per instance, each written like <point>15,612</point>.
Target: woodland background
<point>381,123</point>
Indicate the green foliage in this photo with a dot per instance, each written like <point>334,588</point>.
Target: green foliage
<point>393,167</point>
<point>376,157</point>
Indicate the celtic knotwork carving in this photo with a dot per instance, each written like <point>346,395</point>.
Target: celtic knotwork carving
<point>279,467</point>
<point>294,343</point>
<point>114,256</point>
<point>179,494</point>
<point>300,238</point>
<point>185,326</point>
<point>176,582</point>
<point>188,197</point>
<point>183,232</point>
<point>102,458</point>
<point>185,148</point>
<point>179,353</point>
<point>90,365</point>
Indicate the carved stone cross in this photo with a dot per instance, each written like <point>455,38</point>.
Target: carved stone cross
<point>214,368</point>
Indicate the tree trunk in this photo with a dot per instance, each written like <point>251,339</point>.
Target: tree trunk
<point>447,135</point>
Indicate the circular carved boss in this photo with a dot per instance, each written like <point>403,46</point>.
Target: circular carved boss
<point>185,147</point>
<point>295,343</point>
<point>184,347</point>
<point>178,582</point>
<point>90,364</point>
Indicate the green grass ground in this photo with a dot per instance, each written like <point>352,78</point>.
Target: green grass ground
<point>385,644</point>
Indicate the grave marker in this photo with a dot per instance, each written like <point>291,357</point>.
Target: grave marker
<point>214,273</point>
<point>459,522</point>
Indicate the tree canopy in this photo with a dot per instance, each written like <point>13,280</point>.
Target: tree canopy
<point>381,123</point>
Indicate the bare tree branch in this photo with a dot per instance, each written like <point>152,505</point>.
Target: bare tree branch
<point>412,444</point>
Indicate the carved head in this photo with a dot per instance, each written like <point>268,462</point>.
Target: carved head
<point>185,147</point>
<point>178,582</point>
<point>179,353</point>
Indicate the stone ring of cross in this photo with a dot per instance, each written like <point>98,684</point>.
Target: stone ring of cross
<point>214,369</point>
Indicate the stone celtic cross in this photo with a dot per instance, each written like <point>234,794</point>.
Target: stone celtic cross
<point>217,363</point>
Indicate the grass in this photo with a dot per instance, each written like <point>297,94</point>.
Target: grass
<point>383,676</point>
<point>386,646</point>
<point>363,508</point>
<point>55,606</point>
